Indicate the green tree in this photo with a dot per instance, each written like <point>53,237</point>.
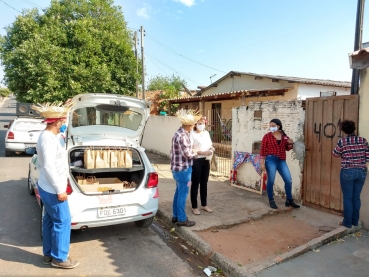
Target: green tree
<point>171,87</point>
<point>4,92</point>
<point>73,47</point>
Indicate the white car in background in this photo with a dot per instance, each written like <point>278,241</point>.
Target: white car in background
<point>106,121</point>
<point>22,135</point>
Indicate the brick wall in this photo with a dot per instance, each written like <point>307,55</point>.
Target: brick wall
<point>247,129</point>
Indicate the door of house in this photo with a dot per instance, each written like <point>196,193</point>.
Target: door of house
<point>321,170</point>
<point>215,118</point>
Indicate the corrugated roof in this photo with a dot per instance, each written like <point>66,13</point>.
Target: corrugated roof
<point>246,91</point>
<point>321,82</point>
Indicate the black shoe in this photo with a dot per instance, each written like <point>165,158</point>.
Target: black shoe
<point>186,223</point>
<point>292,204</point>
<point>272,204</point>
<point>47,260</point>
<point>174,220</point>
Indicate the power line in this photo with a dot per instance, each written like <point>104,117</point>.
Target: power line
<point>171,68</point>
<point>31,4</point>
<point>152,60</point>
<point>178,54</point>
<point>10,6</point>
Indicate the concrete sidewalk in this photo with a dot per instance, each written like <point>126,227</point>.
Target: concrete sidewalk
<point>233,206</point>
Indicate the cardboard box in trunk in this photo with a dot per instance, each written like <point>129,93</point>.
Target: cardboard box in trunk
<point>104,184</point>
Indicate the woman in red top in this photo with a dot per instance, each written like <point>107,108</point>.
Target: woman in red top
<point>273,158</point>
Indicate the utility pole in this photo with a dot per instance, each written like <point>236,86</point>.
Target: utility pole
<point>143,62</point>
<point>135,39</point>
<point>357,45</point>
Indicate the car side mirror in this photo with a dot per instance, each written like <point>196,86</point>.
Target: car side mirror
<point>6,126</point>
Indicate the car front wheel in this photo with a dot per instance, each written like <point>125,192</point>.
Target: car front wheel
<point>145,222</point>
<point>31,191</point>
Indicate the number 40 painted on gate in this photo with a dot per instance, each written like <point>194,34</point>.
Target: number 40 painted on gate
<point>328,135</point>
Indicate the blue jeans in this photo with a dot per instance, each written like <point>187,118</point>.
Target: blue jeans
<point>56,226</point>
<point>182,179</point>
<point>272,165</point>
<point>352,181</point>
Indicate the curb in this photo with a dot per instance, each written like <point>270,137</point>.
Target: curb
<point>232,269</point>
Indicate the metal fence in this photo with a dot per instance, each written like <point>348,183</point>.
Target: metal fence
<point>220,129</point>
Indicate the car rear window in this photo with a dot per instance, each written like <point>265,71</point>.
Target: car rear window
<point>25,126</point>
<point>107,115</point>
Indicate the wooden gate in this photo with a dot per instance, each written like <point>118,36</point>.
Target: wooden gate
<point>322,170</point>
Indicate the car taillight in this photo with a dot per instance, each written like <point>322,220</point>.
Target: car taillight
<point>152,180</point>
<point>10,135</point>
<point>69,188</point>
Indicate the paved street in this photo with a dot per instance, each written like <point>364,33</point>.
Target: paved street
<point>121,250</point>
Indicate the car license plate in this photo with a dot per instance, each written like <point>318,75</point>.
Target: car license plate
<point>114,211</point>
<point>30,145</point>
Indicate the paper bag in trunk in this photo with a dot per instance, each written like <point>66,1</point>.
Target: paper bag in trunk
<point>114,158</point>
<point>90,180</point>
<point>89,158</point>
<point>121,159</point>
<point>102,159</point>
<point>128,158</point>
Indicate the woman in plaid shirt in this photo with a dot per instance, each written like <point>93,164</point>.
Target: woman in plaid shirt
<point>273,158</point>
<point>354,151</point>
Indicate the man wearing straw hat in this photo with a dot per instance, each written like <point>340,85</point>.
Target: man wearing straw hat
<point>181,165</point>
<point>52,184</point>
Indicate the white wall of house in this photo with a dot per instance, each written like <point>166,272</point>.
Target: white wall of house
<point>364,132</point>
<point>305,90</point>
<point>245,82</point>
<point>246,130</point>
<point>295,90</point>
<point>158,134</point>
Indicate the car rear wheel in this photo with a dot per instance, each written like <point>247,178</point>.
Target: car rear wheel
<point>8,153</point>
<point>31,191</point>
<point>145,222</point>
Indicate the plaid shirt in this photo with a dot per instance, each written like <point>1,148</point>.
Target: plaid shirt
<point>270,146</point>
<point>180,152</point>
<point>353,150</point>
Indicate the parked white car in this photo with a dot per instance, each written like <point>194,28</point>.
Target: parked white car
<point>106,121</point>
<point>22,135</point>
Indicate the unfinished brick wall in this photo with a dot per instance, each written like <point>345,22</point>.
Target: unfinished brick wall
<point>249,125</point>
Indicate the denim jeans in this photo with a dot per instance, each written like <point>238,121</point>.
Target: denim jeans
<point>272,165</point>
<point>352,181</point>
<point>183,179</point>
<point>56,226</point>
<point>200,177</point>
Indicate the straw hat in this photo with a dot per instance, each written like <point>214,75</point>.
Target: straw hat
<point>52,111</point>
<point>188,117</point>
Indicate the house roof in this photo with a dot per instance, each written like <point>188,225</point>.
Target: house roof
<point>231,95</point>
<point>284,78</point>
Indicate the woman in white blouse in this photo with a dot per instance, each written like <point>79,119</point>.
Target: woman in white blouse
<point>203,146</point>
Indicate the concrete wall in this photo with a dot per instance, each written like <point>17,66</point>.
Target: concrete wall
<point>364,132</point>
<point>159,132</point>
<point>246,130</point>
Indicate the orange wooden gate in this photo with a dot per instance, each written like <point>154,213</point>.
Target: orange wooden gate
<point>321,170</point>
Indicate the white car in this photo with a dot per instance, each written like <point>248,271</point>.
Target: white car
<point>106,121</point>
<point>22,135</point>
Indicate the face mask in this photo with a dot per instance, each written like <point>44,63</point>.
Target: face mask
<point>63,128</point>
<point>200,127</point>
<point>273,129</point>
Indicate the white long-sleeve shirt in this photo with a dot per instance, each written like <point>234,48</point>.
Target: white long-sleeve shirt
<point>201,141</point>
<point>53,163</point>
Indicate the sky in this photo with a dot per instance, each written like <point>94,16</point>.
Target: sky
<point>202,40</point>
